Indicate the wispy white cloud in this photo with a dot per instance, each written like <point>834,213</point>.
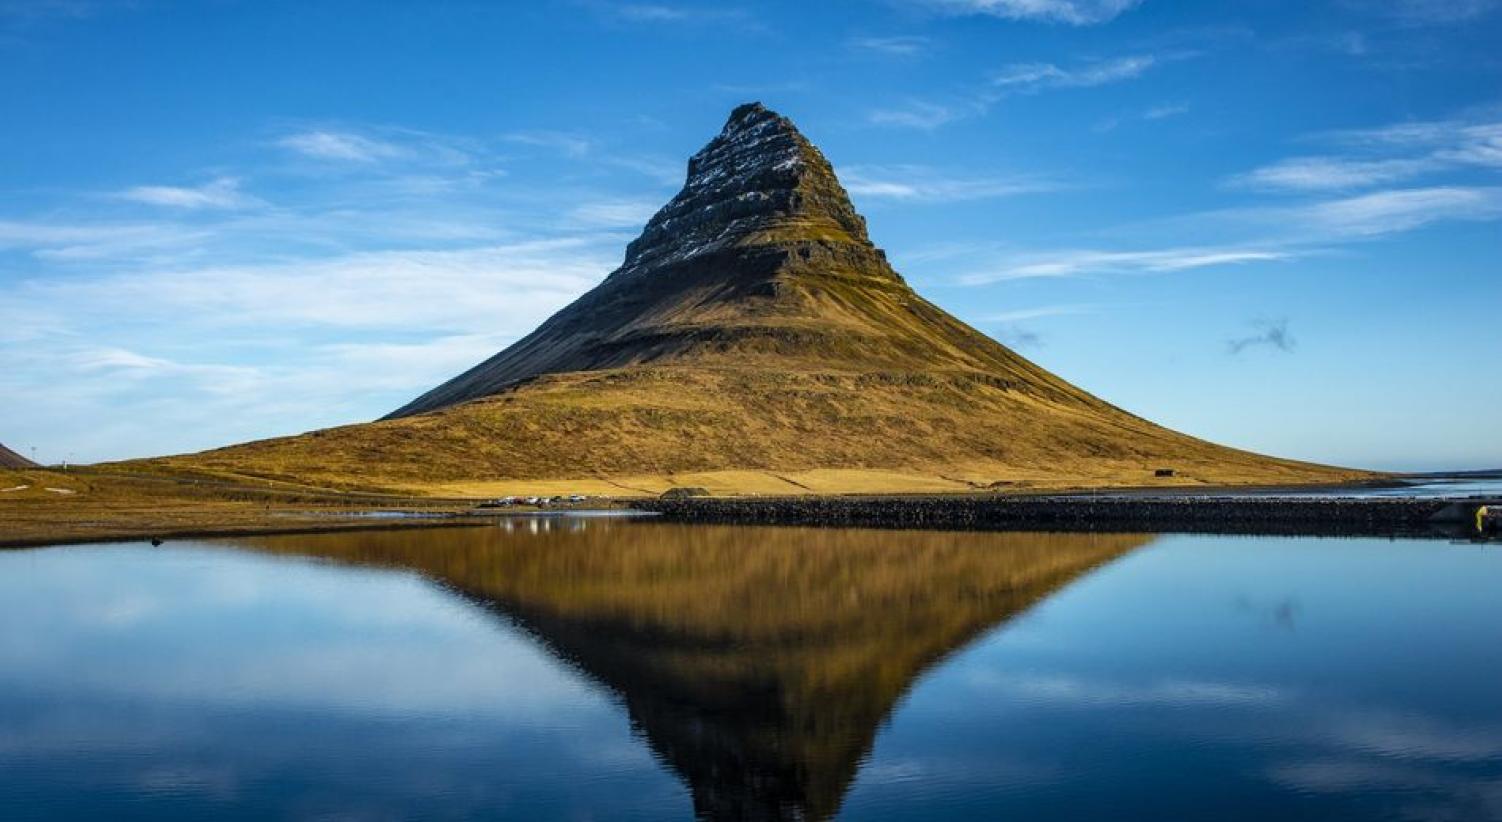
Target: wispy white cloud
<point>223,192</point>
<point>1040,312</point>
<point>59,241</point>
<point>339,146</point>
<point>1080,262</point>
<point>914,114</point>
<point>36,9</point>
<point>399,290</point>
<point>563,142</point>
<point>895,46</point>
<point>1072,12</point>
<point>1328,173</point>
<point>1388,212</point>
<point>1428,12</point>
<point>1383,155</point>
<point>1474,142</point>
<point>200,356</point>
<point>921,184</point>
<point>1272,234</point>
<point>651,13</point>
<point>1165,111</point>
<point>614,213</point>
<point>1028,78</point>
<point>673,14</point>
<point>1158,112</point>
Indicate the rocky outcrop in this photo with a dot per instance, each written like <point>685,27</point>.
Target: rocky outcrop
<point>1296,516</point>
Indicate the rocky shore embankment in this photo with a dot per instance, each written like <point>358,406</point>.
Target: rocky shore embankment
<point>1332,516</point>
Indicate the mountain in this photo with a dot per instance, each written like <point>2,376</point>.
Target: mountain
<point>10,459</point>
<point>754,339</point>
<point>761,257</point>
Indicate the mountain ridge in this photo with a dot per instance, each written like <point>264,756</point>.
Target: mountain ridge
<point>753,327</point>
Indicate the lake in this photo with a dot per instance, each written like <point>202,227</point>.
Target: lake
<point>605,668</point>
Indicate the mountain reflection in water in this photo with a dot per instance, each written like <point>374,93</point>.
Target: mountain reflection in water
<point>758,663</point>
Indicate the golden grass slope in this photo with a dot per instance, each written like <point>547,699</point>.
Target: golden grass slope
<point>752,430</point>
<point>754,341</point>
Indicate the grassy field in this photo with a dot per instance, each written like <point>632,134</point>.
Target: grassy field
<point>40,506</point>
<point>748,430</point>
<point>636,432</point>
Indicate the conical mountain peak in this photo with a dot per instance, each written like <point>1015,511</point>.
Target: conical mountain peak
<point>761,253</point>
<point>756,338</point>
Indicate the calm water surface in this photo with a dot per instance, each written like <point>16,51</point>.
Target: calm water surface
<point>608,669</point>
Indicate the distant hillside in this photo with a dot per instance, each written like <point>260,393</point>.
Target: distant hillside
<point>10,459</point>
<point>754,340</point>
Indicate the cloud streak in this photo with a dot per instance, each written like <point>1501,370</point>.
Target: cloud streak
<point>1274,234</point>
<point>1070,12</point>
<point>1020,79</point>
<point>1080,262</point>
<point>921,184</point>
<point>339,147</point>
<point>895,46</point>
<point>918,114</point>
<point>1030,78</point>
<point>223,192</point>
<point>1039,312</point>
<point>1428,12</point>
<point>1397,210</point>
<point>1384,155</point>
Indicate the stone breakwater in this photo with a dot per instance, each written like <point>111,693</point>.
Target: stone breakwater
<point>1334,516</point>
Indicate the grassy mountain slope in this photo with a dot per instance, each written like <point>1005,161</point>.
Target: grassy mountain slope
<point>753,340</point>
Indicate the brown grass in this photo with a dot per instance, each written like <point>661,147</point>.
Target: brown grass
<point>88,506</point>
<point>750,430</point>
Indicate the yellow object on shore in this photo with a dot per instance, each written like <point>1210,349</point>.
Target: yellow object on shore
<point>1481,513</point>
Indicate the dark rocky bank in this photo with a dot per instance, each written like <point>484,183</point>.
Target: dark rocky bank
<point>1333,516</point>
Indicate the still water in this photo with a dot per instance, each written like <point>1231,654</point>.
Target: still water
<point>610,669</point>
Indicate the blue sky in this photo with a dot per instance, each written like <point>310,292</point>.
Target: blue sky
<point>1272,224</point>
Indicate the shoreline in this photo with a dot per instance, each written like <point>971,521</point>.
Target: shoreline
<point>242,530</point>
<point>171,508</point>
<point>1436,517</point>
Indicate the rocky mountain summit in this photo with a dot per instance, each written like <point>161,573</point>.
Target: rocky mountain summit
<point>760,255</point>
<point>753,340</point>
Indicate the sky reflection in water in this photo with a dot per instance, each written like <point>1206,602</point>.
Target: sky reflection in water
<point>614,669</point>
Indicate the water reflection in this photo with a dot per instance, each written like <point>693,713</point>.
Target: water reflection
<point>758,663</point>
<point>573,669</point>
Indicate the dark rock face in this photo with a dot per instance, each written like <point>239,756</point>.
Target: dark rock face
<point>759,178</point>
